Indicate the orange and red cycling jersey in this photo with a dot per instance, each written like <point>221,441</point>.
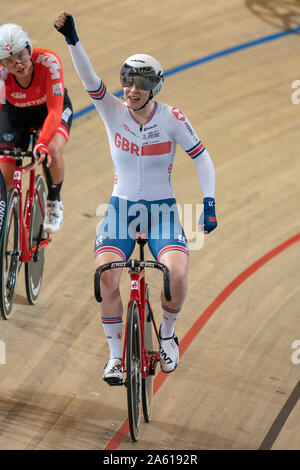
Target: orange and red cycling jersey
<point>46,88</point>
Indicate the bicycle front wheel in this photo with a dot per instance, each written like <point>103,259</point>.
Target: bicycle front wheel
<point>9,254</point>
<point>134,371</point>
<point>34,269</point>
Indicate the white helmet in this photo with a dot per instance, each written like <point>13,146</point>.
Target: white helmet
<point>143,70</point>
<point>13,39</point>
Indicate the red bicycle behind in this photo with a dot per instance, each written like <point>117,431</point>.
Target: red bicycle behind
<point>23,239</point>
<point>139,356</point>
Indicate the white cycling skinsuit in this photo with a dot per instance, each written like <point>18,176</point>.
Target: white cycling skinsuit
<point>143,154</point>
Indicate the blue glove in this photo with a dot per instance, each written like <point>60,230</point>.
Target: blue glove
<point>68,30</point>
<point>209,217</point>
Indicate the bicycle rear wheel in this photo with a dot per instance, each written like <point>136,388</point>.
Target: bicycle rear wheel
<point>134,371</point>
<point>34,269</point>
<point>9,254</point>
<point>147,382</point>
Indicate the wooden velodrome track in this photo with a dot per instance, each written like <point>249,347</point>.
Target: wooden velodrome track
<point>237,384</point>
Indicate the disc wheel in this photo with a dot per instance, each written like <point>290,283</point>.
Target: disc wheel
<point>34,269</point>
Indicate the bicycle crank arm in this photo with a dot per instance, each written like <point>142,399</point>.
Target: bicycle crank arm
<point>14,253</point>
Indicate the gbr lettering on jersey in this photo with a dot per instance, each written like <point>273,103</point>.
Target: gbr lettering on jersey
<point>143,154</point>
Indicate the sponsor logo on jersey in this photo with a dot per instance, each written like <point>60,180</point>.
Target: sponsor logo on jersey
<point>66,114</point>
<point>50,61</point>
<point>32,103</point>
<point>178,114</point>
<point>128,130</point>
<point>147,128</point>
<point>18,95</point>
<point>57,89</point>
<point>8,137</point>
<point>191,131</point>
<point>99,240</point>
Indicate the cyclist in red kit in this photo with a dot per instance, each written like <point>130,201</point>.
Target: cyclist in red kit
<point>34,97</point>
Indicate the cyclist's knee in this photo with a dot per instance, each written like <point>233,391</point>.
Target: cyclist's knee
<point>178,277</point>
<point>177,264</point>
<point>110,281</point>
<point>56,153</point>
<point>7,170</point>
<point>56,147</point>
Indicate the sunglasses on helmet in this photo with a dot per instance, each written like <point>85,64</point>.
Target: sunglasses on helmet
<point>144,79</point>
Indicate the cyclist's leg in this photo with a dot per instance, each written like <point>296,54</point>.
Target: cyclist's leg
<point>167,243</point>
<point>178,264</point>
<point>170,248</point>
<point>57,169</point>
<point>111,305</point>
<point>56,148</point>
<point>54,209</point>
<point>7,170</point>
<point>110,247</point>
<point>12,135</point>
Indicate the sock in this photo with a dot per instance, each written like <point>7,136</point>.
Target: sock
<point>169,317</point>
<point>113,330</point>
<point>54,191</point>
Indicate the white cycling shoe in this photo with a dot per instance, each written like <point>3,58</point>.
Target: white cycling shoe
<point>168,353</point>
<point>54,214</point>
<point>113,371</point>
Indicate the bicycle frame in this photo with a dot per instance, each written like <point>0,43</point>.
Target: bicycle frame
<point>138,291</point>
<point>26,253</point>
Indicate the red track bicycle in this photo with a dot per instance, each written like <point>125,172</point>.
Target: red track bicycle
<point>139,355</point>
<point>23,239</point>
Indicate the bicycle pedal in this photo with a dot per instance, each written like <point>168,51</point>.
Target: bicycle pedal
<point>115,384</point>
<point>152,369</point>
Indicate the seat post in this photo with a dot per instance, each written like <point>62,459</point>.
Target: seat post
<point>142,242</point>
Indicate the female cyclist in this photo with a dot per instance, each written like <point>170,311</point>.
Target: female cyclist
<point>34,97</point>
<point>143,136</point>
